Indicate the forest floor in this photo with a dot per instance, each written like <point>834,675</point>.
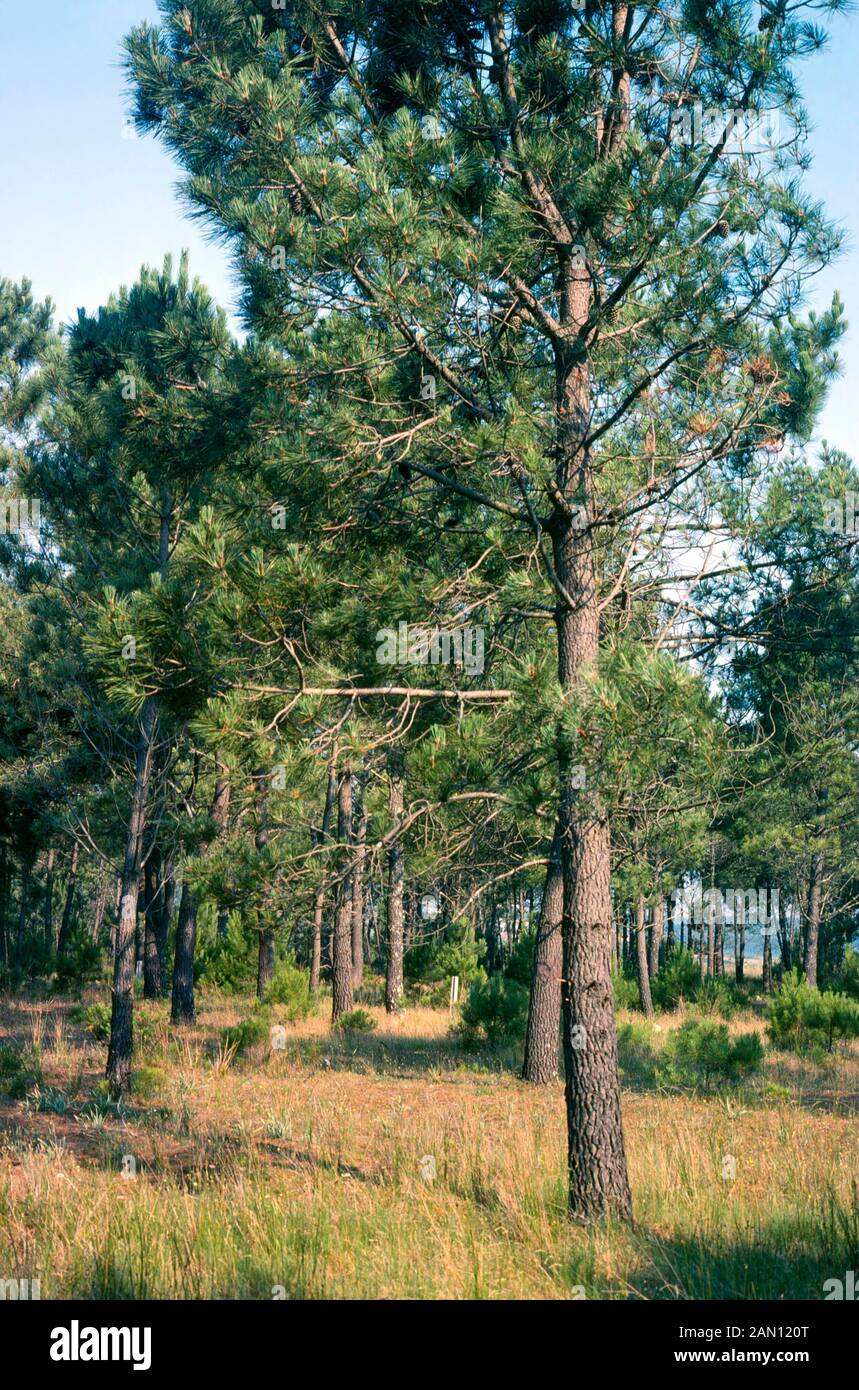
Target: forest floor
<point>396,1165</point>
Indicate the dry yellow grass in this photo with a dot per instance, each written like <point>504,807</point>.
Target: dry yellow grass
<point>306,1171</point>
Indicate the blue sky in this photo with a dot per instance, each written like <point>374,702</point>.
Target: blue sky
<point>83,206</point>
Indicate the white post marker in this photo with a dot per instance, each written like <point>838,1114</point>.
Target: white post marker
<point>454,991</point>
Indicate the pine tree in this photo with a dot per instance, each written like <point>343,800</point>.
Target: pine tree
<point>554,298</point>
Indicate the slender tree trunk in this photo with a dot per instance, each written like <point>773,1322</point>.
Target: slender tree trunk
<point>719,947</point>
<point>49,899</point>
<point>159,900</point>
<point>598,1179</point>
<point>711,915</point>
<point>221,816</point>
<point>396,881</point>
<point>23,908</point>
<point>322,837</point>
<point>812,929</point>
<point>599,1184</point>
<point>493,949</point>
<point>358,893</point>
<point>656,937</point>
<point>122,1001</point>
<point>266,958</point>
<point>641,960</point>
<point>740,942</point>
<point>544,1013</point>
<point>4,904</point>
<point>343,1001</point>
<point>68,909</point>
<point>98,913</point>
<point>183,1005</point>
<point>768,964</point>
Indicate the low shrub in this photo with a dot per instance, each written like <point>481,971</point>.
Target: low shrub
<point>251,1033</point>
<point>146,1082</point>
<point>718,997</point>
<point>847,976</point>
<point>20,1071</point>
<point>701,1050</point>
<point>624,989</point>
<point>228,963</point>
<point>637,1058</point>
<point>356,1021</point>
<point>290,988</point>
<point>95,1018</point>
<point>679,980</point>
<point>495,1012</point>
<point>79,965</point>
<point>801,1018</point>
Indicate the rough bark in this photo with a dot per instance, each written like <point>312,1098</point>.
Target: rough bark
<point>322,837</point>
<point>396,882</point>
<point>343,1000</point>
<point>598,1179</point>
<point>740,943</point>
<point>768,964</point>
<point>656,937</point>
<point>159,900</point>
<point>265,961</point>
<point>812,926</point>
<point>641,960</point>
<point>358,893</point>
<point>68,908</point>
<point>23,909</point>
<point>122,1000</point>
<point>49,899</point>
<point>98,913</point>
<point>4,901</point>
<point>183,1006</point>
<point>221,816</point>
<point>542,1037</point>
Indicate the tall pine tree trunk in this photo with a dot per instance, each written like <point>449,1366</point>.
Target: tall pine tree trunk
<point>641,960</point>
<point>322,837</point>
<point>4,904</point>
<point>122,999</point>
<point>159,897</point>
<point>68,908</point>
<point>768,963</point>
<point>343,1000</point>
<point>598,1178</point>
<point>358,893</point>
<point>396,883</point>
<point>23,909</point>
<point>183,1006</point>
<point>98,913</point>
<point>49,899</point>
<point>265,961</point>
<point>656,937</point>
<point>544,1013</point>
<point>812,926</point>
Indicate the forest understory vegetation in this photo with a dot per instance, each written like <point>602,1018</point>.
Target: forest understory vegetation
<point>429,699</point>
<point>396,1164</point>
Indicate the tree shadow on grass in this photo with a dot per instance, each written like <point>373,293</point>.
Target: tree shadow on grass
<point>399,1057</point>
<point>784,1260</point>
